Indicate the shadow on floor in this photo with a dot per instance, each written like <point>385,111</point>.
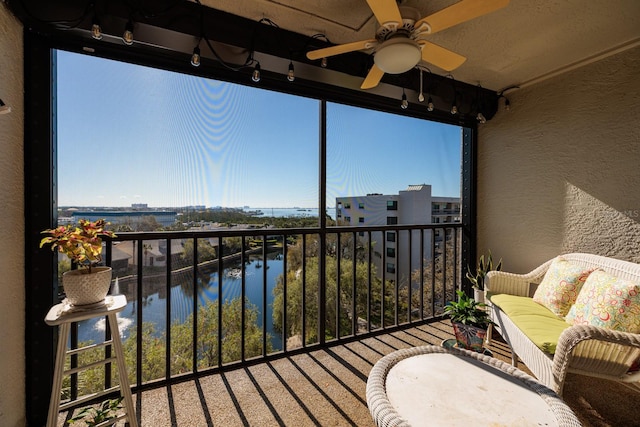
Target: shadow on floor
<point>327,388</point>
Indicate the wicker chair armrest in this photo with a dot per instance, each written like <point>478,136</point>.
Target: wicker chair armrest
<point>590,348</point>
<point>502,282</point>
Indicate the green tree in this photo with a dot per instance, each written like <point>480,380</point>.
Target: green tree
<point>294,301</point>
<point>438,282</point>
<point>206,252</point>
<point>154,347</point>
<point>148,223</point>
<point>182,339</point>
<point>232,245</point>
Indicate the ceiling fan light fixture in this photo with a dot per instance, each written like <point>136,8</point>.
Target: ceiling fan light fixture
<point>397,55</point>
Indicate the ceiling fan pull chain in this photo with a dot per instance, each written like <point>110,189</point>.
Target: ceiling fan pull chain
<point>421,96</point>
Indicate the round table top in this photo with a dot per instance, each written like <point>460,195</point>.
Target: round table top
<point>435,386</point>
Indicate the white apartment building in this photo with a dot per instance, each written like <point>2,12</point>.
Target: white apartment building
<point>415,205</point>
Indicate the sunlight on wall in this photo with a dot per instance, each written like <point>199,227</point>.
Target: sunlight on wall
<point>561,175</point>
<point>592,226</point>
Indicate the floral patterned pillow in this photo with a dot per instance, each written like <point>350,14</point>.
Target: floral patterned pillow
<point>609,302</point>
<point>561,285</point>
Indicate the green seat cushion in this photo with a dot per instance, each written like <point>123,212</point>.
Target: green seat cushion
<point>536,321</point>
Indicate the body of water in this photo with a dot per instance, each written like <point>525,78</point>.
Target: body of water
<point>154,304</point>
<point>291,212</point>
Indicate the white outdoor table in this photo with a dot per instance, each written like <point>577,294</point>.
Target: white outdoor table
<point>435,386</point>
<point>63,315</point>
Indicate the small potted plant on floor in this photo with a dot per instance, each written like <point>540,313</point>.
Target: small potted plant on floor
<point>470,321</point>
<point>477,278</point>
<point>93,416</point>
<point>82,244</point>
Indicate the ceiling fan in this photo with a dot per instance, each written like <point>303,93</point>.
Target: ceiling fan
<point>399,43</point>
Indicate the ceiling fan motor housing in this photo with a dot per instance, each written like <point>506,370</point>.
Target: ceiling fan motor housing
<point>397,55</point>
<point>398,52</point>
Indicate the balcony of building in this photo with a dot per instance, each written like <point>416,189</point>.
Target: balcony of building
<point>552,170</point>
<point>273,376</point>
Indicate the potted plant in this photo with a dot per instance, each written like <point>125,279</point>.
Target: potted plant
<point>477,278</point>
<point>82,244</point>
<point>106,411</point>
<point>470,321</point>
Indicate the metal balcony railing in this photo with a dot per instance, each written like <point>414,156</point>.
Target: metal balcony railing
<point>205,301</point>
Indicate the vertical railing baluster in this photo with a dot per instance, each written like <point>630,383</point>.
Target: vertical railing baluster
<point>354,313</point>
<point>74,361</point>
<point>433,272</point>
<point>455,258</point>
<point>369,279</point>
<point>304,290</point>
<point>444,264</point>
<point>396,298</point>
<point>194,307</point>
<point>139,349</point>
<point>168,264</point>
<point>219,336</point>
<point>284,292</point>
<point>264,295</point>
<point>410,257</point>
<point>338,262</point>
<point>243,296</point>
<point>421,274</point>
<point>383,268</point>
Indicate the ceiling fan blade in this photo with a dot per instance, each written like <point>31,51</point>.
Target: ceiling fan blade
<point>341,48</point>
<point>460,12</point>
<point>440,57</point>
<point>373,78</point>
<point>385,11</point>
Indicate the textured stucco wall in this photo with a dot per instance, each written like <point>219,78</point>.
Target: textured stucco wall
<point>560,171</point>
<point>12,366</point>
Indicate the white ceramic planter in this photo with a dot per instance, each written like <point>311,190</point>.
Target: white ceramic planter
<point>82,288</point>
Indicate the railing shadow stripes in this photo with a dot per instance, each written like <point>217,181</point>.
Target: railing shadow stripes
<point>210,322</point>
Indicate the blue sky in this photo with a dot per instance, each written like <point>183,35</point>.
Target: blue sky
<point>131,134</point>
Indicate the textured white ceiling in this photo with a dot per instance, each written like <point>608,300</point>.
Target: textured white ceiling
<point>518,45</point>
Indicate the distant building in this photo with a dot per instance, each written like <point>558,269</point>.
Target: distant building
<point>415,205</point>
<point>139,206</point>
<point>165,218</point>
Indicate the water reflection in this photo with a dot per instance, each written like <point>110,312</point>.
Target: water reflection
<point>155,294</point>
